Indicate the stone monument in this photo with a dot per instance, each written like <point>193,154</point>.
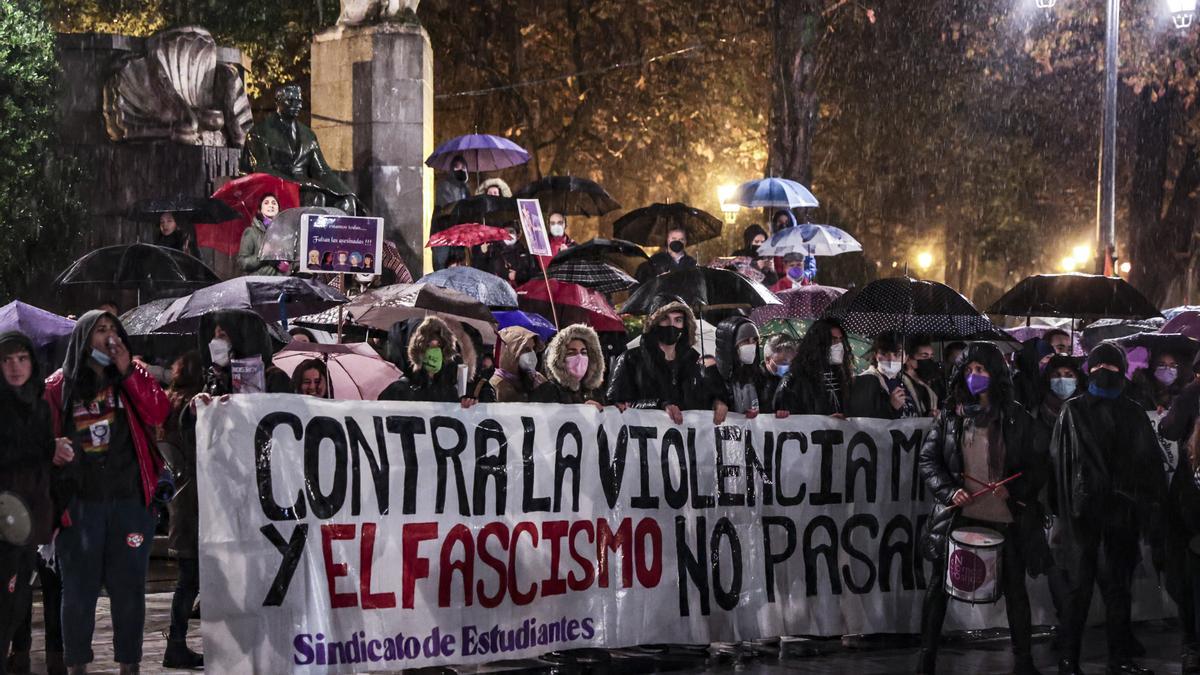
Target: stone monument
<point>372,110</point>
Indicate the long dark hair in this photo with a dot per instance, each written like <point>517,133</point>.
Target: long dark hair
<point>813,354</point>
<point>188,378</point>
<point>305,366</point>
<point>1000,386</point>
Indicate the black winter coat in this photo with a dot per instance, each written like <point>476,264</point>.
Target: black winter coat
<point>643,378</point>
<point>801,394</point>
<point>442,388</point>
<point>868,398</point>
<point>26,451</point>
<point>661,263</point>
<point>553,392</point>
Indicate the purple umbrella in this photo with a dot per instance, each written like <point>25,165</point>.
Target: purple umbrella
<point>40,326</point>
<point>801,302</point>
<point>534,322</point>
<point>482,152</point>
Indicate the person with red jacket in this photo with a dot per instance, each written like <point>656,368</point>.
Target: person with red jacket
<point>107,405</point>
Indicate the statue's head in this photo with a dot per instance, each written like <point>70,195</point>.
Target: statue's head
<point>289,101</point>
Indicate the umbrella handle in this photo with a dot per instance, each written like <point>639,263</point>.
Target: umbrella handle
<point>283,318</point>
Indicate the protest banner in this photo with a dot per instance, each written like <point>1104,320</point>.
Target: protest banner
<point>342,536</point>
<point>341,244</point>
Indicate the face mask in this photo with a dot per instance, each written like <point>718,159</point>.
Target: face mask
<point>977,384</point>
<point>101,357</point>
<point>510,240</point>
<point>1063,387</point>
<point>1106,383</point>
<point>1166,374</point>
<point>795,272</point>
<point>746,353</point>
<point>577,365</point>
<point>889,369</point>
<point>527,362</point>
<point>928,370</point>
<point>557,230</point>
<point>432,360</point>
<point>837,354</point>
<point>781,369</point>
<point>218,349</point>
<point>460,175</point>
<point>667,335</point>
<point>754,249</point>
<point>676,246</point>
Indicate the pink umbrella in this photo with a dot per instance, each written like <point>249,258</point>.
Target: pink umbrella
<point>356,372</point>
<point>800,302</point>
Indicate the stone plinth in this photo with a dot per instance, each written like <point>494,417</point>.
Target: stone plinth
<point>372,110</point>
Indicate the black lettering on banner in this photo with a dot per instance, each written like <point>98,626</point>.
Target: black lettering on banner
<point>910,446</point>
<point>290,551</point>
<point>378,462</point>
<point>780,442</point>
<point>691,565</point>
<point>699,500</point>
<point>408,428</point>
<point>888,550</point>
<point>918,558</point>
<point>756,472</point>
<point>611,466</point>
<point>449,452</point>
<point>826,439</point>
<point>529,503</point>
<point>728,471</point>
<point>829,551</point>
<point>870,522</point>
<point>772,558</point>
<point>672,445</point>
<point>321,429</point>
<point>643,436</point>
<point>727,599</point>
<point>564,462</point>
<point>263,445</point>
<point>494,467</point>
<point>868,465</point>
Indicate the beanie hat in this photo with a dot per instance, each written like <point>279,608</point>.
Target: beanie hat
<point>746,331</point>
<point>1107,353</point>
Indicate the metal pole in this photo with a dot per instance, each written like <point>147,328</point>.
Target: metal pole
<point>1106,214</point>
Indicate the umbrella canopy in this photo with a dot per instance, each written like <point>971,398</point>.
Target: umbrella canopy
<point>488,289</point>
<point>799,302</point>
<point>195,209</point>
<point>243,195</point>
<point>700,287</point>
<point>573,303</point>
<point>1172,312</point>
<point>142,266</point>
<point>1079,296</point>
<point>594,274</point>
<point>1182,346</point>
<point>649,225</point>
<point>477,209</point>
<point>481,152</point>
<point>356,372</point>
<point>467,234</point>
<point>775,193</point>
<point>910,306</point>
<point>810,239</point>
<point>40,326</point>
<point>743,265</point>
<point>382,307</point>
<point>271,297</point>
<point>796,329</point>
<point>626,255</point>
<point>1111,329</point>
<point>706,338</point>
<point>283,235</point>
<point>570,196</point>
<point>146,317</point>
<point>528,320</point>
<point>1186,322</point>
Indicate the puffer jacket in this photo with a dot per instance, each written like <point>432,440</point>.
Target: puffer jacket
<point>560,385</point>
<point>249,248</point>
<point>643,378</point>
<point>509,382</point>
<point>743,384</point>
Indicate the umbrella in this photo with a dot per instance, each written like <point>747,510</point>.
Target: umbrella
<point>700,287</point>
<point>774,193</point>
<point>570,196</point>
<point>243,195</point>
<point>382,307</point>
<point>574,304</point>
<point>796,329</point>
<point>594,274</point>
<point>35,323</point>
<point>616,252</point>
<point>743,265</point>
<point>196,209</point>
<point>649,225</point>
<point>144,318</point>
<point>271,297</point>
<point>1172,312</point>
<point>467,234</point>
<point>534,322</point>
<point>1111,329</point>
<point>910,306</point>
<point>1186,322</point>
<point>282,241</point>
<point>141,266</point>
<point>1182,346</point>
<point>481,152</point>
<point>488,289</point>
<point>706,338</point>
<point>477,209</point>
<point>1078,296</point>
<point>809,239</point>
<point>799,302</point>
<point>356,372</point>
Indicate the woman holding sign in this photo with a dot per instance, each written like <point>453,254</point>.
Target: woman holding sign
<point>984,461</point>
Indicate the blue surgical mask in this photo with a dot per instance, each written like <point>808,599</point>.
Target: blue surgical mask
<point>1063,387</point>
<point>101,357</point>
<point>782,369</point>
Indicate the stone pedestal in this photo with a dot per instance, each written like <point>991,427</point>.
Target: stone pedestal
<point>372,110</point>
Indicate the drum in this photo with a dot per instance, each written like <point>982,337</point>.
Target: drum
<point>973,564</point>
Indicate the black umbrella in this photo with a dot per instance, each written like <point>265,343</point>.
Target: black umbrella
<point>625,255</point>
<point>271,297</point>
<point>910,306</point>
<point>195,209</point>
<point>485,209</point>
<point>649,225</point>
<point>1110,329</point>
<point>1076,296</point>
<point>570,196</point>
<point>145,317</point>
<point>1183,347</point>
<point>594,274</point>
<point>703,287</point>
<point>144,267</point>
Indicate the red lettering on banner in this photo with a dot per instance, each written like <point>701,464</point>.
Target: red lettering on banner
<point>553,531</point>
<point>334,570</point>
<point>459,534</point>
<point>581,583</point>
<point>366,554</point>
<point>606,541</point>
<point>499,531</point>
<point>517,596</point>
<point>415,567</point>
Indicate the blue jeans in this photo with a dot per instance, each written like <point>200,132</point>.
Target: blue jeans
<point>108,544</point>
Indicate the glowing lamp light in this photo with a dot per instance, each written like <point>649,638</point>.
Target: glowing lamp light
<point>1182,12</point>
<point>924,260</point>
<point>1069,264</point>
<point>1081,253</point>
<point>730,208</point>
<point>1125,267</point>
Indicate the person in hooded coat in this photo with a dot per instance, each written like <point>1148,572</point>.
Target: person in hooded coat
<point>818,382</point>
<point>108,406</point>
<point>517,375</point>
<point>1156,386</point>
<point>737,365</point>
<point>985,434</point>
<point>451,188</point>
<point>434,354</point>
<point>664,370</point>
<point>1030,361</point>
<point>574,364</point>
<point>1109,486</point>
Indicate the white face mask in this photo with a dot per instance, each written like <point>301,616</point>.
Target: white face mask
<point>218,349</point>
<point>510,241</point>
<point>557,230</point>
<point>527,362</point>
<point>837,353</point>
<point>889,369</point>
<point>746,353</point>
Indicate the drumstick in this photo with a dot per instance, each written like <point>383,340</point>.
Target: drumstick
<point>990,486</point>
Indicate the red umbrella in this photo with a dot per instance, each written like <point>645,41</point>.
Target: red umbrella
<point>244,194</point>
<point>467,234</point>
<point>574,304</point>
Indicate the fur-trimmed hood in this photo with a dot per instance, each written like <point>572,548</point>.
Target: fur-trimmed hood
<point>505,191</point>
<point>689,323</point>
<point>430,329</point>
<point>556,358</point>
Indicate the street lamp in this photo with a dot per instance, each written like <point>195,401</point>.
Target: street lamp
<point>729,207</point>
<point>924,260</point>
<point>1182,12</point>
<point>1069,264</point>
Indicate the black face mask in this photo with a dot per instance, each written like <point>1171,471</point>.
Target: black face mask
<point>928,370</point>
<point>676,246</point>
<point>667,335</point>
<point>1107,379</point>
<point>460,175</point>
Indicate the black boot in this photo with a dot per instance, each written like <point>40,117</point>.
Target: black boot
<point>1125,666</point>
<point>926,662</point>
<point>179,656</point>
<point>1023,665</point>
<point>1069,666</point>
<point>18,662</point>
<point>55,664</point>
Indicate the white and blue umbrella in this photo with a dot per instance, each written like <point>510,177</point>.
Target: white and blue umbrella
<point>481,152</point>
<point>809,239</point>
<point>775,193</point>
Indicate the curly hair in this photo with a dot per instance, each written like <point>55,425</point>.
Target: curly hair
<point>812,356</point>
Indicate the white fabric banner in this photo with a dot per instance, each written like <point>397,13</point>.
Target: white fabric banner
<point>340,536</point>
